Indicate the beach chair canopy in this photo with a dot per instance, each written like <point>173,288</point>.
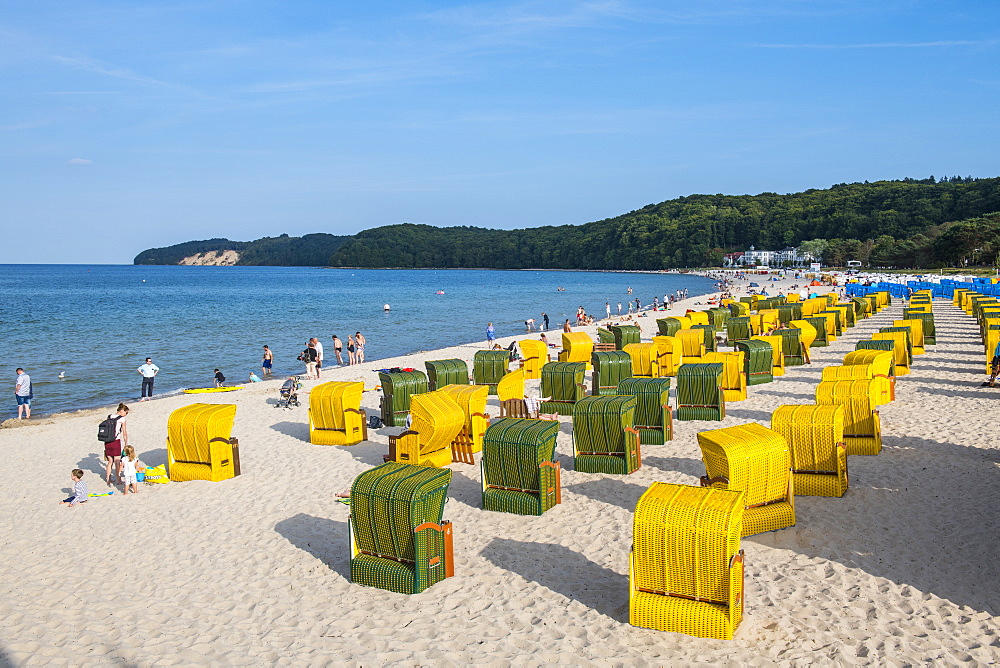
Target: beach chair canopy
<point>610,368</point>
<point>519,474</point>
<point>652,408</point>
<point>446,372</point>
<point>604,437</point>
<point>815,437</point>
<point>335,415</point>
<point>199,444</point>
<point>534,353</point>
<point>397,388</point>
<point>577,347</point>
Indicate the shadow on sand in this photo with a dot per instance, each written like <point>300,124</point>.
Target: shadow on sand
<point>327,540</point>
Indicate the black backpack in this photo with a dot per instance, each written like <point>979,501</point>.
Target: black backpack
<point>106,430</point>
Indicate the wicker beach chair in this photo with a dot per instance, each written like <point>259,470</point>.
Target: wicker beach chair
<point>534,354</point>
<point>604,437</point>
<point>819,324</point>
<point>644,361</point>
<point>669,355</point>
<point>755,460</point>
<point>807,333</point>
<point>708,332</point>
<point>792,346</point>
<point>489,366</point>
<point>199,443</point>
<point>605,340</point>
<point>653,418</point>
<point>717,318</point>
<point>738,329</point>
<point>901,336</point>
<point>398,541</point>
<point>862,426</point>
<point>692,345</point>
<point>916,326</point>
<point>734,379</point>
<point>696,318</point>
<point>670,326</point>
<point>861,308</point>
<point>446,372</point>
<point>563,382</point>
<point>610,368</point>
<point>472,400</point>
<point>838,322</point>
<point>397,389</point>
<point>882,345</point>
<point>625,334</point>
<point>769,318</point>
<point>511,386</point>
<point>577,347</point>
<point>686,565</point>
<point>699,392</point>
<point>437,421</point>
<point>739,309</point>
<point>519,473</point>
<point>335,414</point>
<point>757,364</point>
<point>930,331</point>
<point>777,344</point>
<point>789,312</point>
<point>847,313</point>
<point>815,437</point>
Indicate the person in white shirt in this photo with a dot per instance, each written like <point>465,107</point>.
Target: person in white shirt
<point>319,354</point>
<point>148,372</point>
<point>22,393</point>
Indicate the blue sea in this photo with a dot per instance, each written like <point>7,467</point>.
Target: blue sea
<point>96,324</point>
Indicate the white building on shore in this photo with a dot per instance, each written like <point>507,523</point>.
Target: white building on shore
<point>788,257</point>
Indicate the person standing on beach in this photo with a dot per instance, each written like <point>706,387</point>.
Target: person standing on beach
<point>619,309</point>
<point>351,351</point>
<point>545,321</point>
<point>113,450</point>
<point>491,334</point>
<point>607,309</point>
<point>359,341</point>
<point>637,305</point>
<point>266,362</point>
<point>309,356</point>
<point>338,347</point>
<point>319,354</point>
<point>148,372</point>
<point>566,327</point>
<point>22,393</point>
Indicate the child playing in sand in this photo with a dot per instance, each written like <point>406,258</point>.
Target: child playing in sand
<point>79,489</point>
<point>130,467</point>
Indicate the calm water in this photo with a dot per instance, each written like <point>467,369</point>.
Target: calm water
<point>97,323</point>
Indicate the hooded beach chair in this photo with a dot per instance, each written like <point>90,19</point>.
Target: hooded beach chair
<point>563,383</point>
<point>472,400</point>
<point>605,340</point>
<point>739,309</point>
<point>577,347</point>
<point>820,325</point>
<point>717,317</point>
<point>757,364</point>
<point>610,368</point>
<point>699,392</point>
<point>686,565</point>
<point>777,344</point>
<point>335,414</point>
<point>862,426</point>
<point>446,372</point>
<point>692,345</point>
<point>696,318</point>
<point>807,333</point>
<point>708,332</point>
<point>437,420</point>
<point>670,326</point>
<point>644,362</point>
<point>789,312</point>
<point>900,336</point>
<point>881,345</point>
<point>489,366</point>
<point>815,437</point>
<point>398,541</point>
<point>604,436</point>
<point>511,386</point>
<point>519,473</point>
<point>916,326</point>
<point>861,308</point>
<point>738,329</point>
<point>930,332</point>
<point>534,354</point>
<point>734,380</point>
<point>397,389</point>
<point>624,335</point>
<point>769,319</point>
<point>653,417</point>
<point>200,444</point>
<point>884,384</point>
<point>755,460</point>
<point>838,322</point>
<point>792,346</point>
<point>669,355</point>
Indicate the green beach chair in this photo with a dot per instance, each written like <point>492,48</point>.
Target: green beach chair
<point>625,334</point>
<point>446,372</point>
<point>717,317</point>
<point>888,346</point>
<point>610,368</point>
<point>789,312</point>
<point>519,474</point>
<point>489,366</point>
<point>851,314</point>
<point>699,392</point>
<point>861,307</point>
<point>930,334</point>
<point>758,361</point>
<point>739,309</point>
<point>653,417</point>
<point>604,438</point>
<point>792,346</point>
<point>563,382</point>
<point>605,338</point>
<point>668,326</point>
<point>738,329</point>
<point>398,541</point>
<point>838,319</point>
<point>819,324</point>
<point>709,331</point>
<point>397,388</point>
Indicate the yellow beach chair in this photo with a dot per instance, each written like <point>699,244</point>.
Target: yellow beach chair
<point>900,350</point>
<point>335,414</point>
<point>199,443</point>
<point>511,386</point>
<point>437,421</point>
<point>916,333</point>
<point>859,398</point>
<point>644,361</point>
<point>472,399</point>
<point>577,347</point>
<point>734,378</point>
<point>669,355</point>
<point>534,355</point>
<point>692,345</point>
<point>777,343</point>
<point>815,437</point>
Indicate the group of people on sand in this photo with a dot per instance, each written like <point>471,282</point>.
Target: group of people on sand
<point>120,462</point>
<point>313,356</point>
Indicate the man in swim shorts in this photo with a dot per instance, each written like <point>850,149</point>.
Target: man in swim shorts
<point>267,362</point>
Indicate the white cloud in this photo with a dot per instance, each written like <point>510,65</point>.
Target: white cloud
<point>79,161</point>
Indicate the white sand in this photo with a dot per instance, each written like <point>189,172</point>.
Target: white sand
<point>254,570</point>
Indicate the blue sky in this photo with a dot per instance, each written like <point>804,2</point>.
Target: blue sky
<point>129,125</point>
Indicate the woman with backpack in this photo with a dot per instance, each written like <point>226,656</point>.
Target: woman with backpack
<point>113,449</point>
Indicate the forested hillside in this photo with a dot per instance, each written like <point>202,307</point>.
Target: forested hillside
<point>908,223</point>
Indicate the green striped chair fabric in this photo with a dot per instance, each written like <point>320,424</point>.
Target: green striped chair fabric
<point>738,329</point>
<point>838,320</point>
<point>709,331</point>
<point>653,418</point>
<point>397,388</point>
<point>909,340</point>
<point>610,368</point>
<point>851,315</point>
<point>819,324</point>
<point>668,326</point>
<point>605,336</point>
<point>739,309</point>
<point>388,504</point>
<point>519,475</point>
<point>489,366</point>
<point>789,312</point>
<point>699,392</point>
<point>930,333</point>
<point>869,344</point>
<point>625,334</point>
<point>446,372</point>
<point>717,317</point>
<point>604,438</point>
<point>792,347</point>
<point>563,382</point>
<point>758,361</point>
<point>861,309</point>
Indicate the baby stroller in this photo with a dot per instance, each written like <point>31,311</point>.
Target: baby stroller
<point>288,393</point>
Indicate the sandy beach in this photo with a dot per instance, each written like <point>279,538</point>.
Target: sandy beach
<point>255,570</point>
